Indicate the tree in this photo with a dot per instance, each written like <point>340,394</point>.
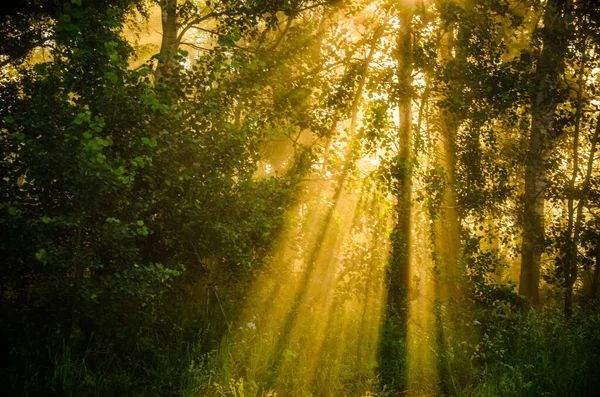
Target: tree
<point>545,99</point>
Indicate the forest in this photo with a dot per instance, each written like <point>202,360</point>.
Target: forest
<point>300,198</point>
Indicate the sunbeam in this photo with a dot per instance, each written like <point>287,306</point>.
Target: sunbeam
<point>316,312</point>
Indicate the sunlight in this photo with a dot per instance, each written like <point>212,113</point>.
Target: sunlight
<point>319,199</point>
<point>312,321</point>
<point>422,354</point>
<point>316,312</point>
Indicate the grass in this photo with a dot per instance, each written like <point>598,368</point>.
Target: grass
<point>526,354</point>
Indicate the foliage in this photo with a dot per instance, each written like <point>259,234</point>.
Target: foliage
<point>115,203</point>
<point>141,208</point>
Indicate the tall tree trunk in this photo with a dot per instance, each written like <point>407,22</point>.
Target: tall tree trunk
<point>447,224</point>
<point>596,276</point>
<point>169,44</point>
<point>570,255</point>
<point>399,268</point>
<point>570,266</point>
<point>446,220</point>
<point>544,102</point>
<point>392,356</point>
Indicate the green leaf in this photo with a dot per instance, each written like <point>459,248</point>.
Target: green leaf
<point>149,141</point>
<point>78,53</point>
<point>140,223</point>
<point>41,255</point>
<point>77,13</point>
<point>226,41</point>
<point>46,219</point>
<point>41,69</point>
<point>111,76</point>
<point>18,136</point>
<point>104,142</point>
<point>81,117</point>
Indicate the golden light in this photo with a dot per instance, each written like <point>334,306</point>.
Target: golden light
<point>312,321</point>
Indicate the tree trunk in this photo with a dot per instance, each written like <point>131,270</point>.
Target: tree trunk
<point>544,102</point>
<point>570,255</point>
<point>168,46</point>
<point>570,267</point>
<point>596,277</point>
<point>399,268</point>
<point>447,224</point>
<point>392,356</point>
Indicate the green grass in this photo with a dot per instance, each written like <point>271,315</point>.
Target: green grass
<point>537,354</point>
<point>527,354</point>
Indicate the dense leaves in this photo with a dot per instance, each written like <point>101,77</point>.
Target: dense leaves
<point>339,150</point>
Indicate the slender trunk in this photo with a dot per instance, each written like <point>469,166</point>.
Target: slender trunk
<point>533,227</point>
<point>447,229</point>
<point>392,356</point>
<point>596,277</point>
<point>214,289</point>
<point>399,268</point>
<point>168,46</point>
<point>544,102</point>
<point>78,276</point>
<point>570,257</point>
<point>206,313</point>
<point>571,268</point>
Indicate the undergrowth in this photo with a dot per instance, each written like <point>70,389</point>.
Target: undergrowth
<point>523,354</point>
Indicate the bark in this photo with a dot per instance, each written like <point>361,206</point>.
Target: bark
<point>570,254</point>
<point>399,269</point>
<point>391,355</point>
<point>447,224</point>
<point>169,44</point>
<point>596,277</point>
<point>570,268</point>
<point>544,102</point>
